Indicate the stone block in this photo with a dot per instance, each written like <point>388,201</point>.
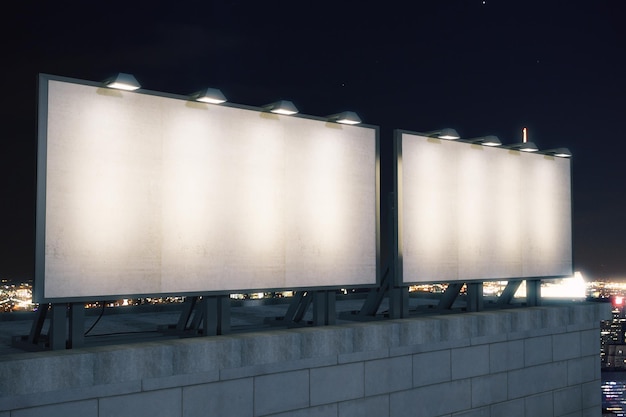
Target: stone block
<point>581,370</point>
<point>540,405</point>
<point>591,394</point>
<point>526,320</point>
<point>506,356</point>
<point>80,408</point>
<point>555,318</point>
<point>567,401</point>
<point>53,371</point>
<point>514,408</point>
<point>566,346</point>
<point>493,323</point>
<point>592,412</point>
<point>68,395</point>
<point>486,340</point>
<point>388,375</point>
<point>281,392</point>
<point>431,368</point>
<point>377,406</point>
<point>478,412</point>
<point>537,379</point>
<point>337,383</point>
<point>470,361</point>
<point>489,389</point>
<point>590,342</point>
<point>538,350</point>
<point>276,367</point>
<point>327,410</point>
<point>135,362</point>
<point>419,331</point>
<point>163,403</point>
<point>375,336</point>
<point>275,346</point>
<point>226,399</point>
<point>363,356</point>
<point>327,341</point>
<point>150,384</point>
<point>458,326</point>
<point>205,354</point>
<point>432,400</point>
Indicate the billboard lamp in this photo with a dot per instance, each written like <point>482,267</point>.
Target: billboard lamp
<point>346,118</point>
<point>281,107</point>
<point>122,81</point>
<point>489,140</point>
<point>209,95</point>
<point>445,133</point>
<point>524,147</point>
<point>559,152</point>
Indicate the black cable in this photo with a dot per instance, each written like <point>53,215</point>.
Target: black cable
<point>128,332</point>
<point>97,320</point>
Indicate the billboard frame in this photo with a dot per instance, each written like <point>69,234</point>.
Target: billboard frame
<point>41,193</point>
<point>398,215</point>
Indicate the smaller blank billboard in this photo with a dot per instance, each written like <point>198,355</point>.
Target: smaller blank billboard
<point>473,212</point>
<point>147,194</point>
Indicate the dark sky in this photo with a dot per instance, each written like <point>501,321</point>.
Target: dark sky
<point>482,67</point>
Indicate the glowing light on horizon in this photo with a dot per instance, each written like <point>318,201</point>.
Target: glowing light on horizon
<point>572,287</point>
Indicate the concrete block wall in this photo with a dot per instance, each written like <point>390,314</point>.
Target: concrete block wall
<point>540,361</point>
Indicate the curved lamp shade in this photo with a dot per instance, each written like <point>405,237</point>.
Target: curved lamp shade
<point>281,107</point>
<point>559,152</point>
<point>445,133</point>
<point>346,118</point>
<point>123,81</point>
<point>524,147</point>
<point>209,95</point>
<point>489,140</point>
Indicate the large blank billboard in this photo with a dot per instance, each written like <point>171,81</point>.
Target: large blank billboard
<point>473,212</point>
<point>145,194</point>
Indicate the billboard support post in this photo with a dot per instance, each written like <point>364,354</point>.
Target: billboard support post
<point>398,302</point>
<point>77,325</point>
<point>57,332</point>
<point>474,296</point>
<point>324,308</point>
<point>533,292</point>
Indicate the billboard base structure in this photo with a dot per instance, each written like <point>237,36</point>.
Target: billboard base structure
<point>324,309</point>
<point>202,316</point>
<point>208,315</point>
<point>66,328</point>
<point>398,298</point>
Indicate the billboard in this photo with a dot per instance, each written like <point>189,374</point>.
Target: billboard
<point>471,212</point>
<point>141,193</point>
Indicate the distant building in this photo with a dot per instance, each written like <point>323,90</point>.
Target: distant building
<point>613,338</point>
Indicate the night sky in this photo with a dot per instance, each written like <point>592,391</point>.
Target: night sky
<point>481,67</point>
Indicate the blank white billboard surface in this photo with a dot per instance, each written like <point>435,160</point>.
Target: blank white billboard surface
<point>472,212</point>
<point>140,194</point>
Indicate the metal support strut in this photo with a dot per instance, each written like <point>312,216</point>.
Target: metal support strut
<point>66,328</point>
<point>205,316</point>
